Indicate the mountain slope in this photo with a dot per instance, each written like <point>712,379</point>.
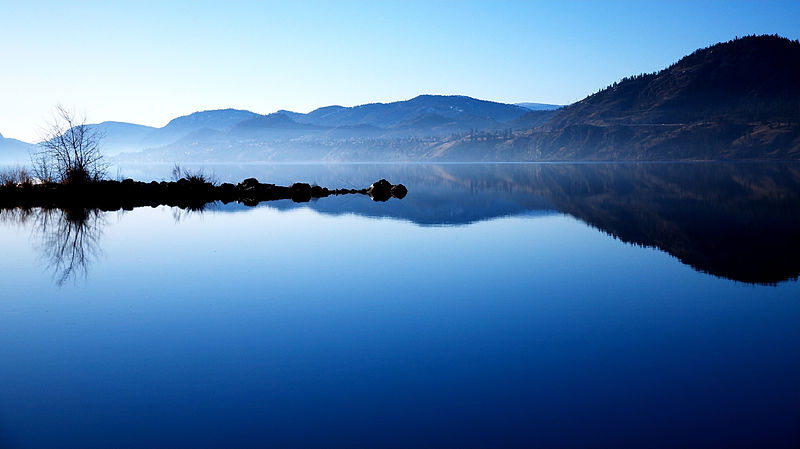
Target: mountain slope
<point>122,136</point>
<point>389,115</point>
<point>734,100</point>
<point>218,120</point>
<point>540,106</point>
<point>13,151</point>
<point>752,78</point>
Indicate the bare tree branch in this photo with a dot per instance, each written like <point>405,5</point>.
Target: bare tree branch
<point>69,150</point>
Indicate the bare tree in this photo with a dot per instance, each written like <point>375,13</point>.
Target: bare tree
<point>69,151</point>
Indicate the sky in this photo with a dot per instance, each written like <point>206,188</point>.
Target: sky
<point>148,62</point>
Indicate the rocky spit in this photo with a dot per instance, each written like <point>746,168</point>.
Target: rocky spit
<point>184,193</point>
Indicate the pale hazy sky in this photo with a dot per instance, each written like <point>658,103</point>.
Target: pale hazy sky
<point>147,62</point>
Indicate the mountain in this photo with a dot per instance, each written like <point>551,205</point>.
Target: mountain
<point>276,125</point>
<point>533,119</point>
<point>13,151</point>
<point>733,100</point>
<point>390,115</point>
<point>218,120</point>
<point>730,101</point>
<point>203,122</point>
<point>121,136</point>
<point>329,133</point>
<point>540,106</point>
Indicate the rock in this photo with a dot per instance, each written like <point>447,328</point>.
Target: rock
<point>248,183</point>
<point>319,192</point>
<point>301,192</point>
<point>380,190</point>
<point>399,191</point>
<point>226,192</point>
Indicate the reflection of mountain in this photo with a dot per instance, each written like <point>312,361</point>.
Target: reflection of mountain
<point>439,195</point>
<point>739,221</point>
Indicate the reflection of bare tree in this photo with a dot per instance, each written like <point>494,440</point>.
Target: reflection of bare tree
<point>70,240</point>
<point>179,214</point>
<point>16,216</point>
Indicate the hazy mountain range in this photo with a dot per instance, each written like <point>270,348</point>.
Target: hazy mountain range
<point>733,100</point>
<point>217,134</point>
<point>14,151</point>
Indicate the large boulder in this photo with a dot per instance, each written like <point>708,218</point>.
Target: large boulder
<point>301,192</point>
<point>380,190</point>
<point>248,184</point>
<point>399,191</point>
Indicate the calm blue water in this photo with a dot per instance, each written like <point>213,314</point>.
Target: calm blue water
<point>494,306</point>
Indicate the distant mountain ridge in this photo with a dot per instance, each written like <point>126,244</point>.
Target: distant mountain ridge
<point>734,100</point>
<point>13,151</point>
<point>391,115</point>
<point>216,134</point>
<point>217,119</point>
<point>230,134</point>
<point>540,106</point>
<point>209,132</point>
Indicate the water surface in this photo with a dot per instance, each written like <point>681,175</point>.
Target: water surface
<point>504,305</point>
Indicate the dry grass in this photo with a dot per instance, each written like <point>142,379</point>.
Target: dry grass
<point>17,176</point>
<point>194,177</point>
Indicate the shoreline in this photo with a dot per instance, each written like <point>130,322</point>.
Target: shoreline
<point>185,193</point>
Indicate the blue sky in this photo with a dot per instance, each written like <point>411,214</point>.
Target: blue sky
<point>147,62</point>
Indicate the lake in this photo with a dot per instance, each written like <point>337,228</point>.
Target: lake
<point>497,305</point>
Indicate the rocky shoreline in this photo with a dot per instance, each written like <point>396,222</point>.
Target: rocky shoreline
<point>184,193</point>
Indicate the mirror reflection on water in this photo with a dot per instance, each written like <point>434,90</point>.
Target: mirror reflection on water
<point>497,304</point>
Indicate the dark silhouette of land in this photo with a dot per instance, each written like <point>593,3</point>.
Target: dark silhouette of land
<point>191,193</point>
